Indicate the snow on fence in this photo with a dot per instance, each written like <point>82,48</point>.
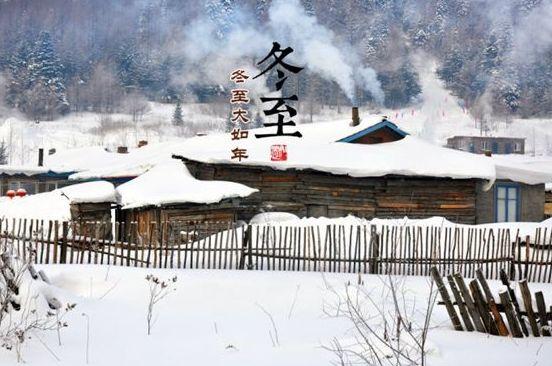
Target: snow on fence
<point>353,248</point>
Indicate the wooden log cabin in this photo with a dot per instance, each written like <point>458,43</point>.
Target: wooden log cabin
<point>338,170</point>
<point>309,193</point>
<point>392,175</point>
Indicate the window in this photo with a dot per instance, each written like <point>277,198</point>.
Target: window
<point>472,147</point>
<point>507,203</point>
<point>517,147</point>
<point>13,185</point>
<point>495,147</point>
<point>29,187</point>
<point>50,186</point>
<point>485,145</point>
<point>508,148</point>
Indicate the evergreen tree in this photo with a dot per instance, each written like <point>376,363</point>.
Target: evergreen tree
<point>46,71</point>
<point>221,13</point>
<point>18,75</point>
<point>3,153</point>
<point>177,118</point>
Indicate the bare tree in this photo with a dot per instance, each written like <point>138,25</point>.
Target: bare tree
<point>136,105</point>
<point>101,93</point>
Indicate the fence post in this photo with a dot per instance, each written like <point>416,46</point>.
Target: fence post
<point>64,233</point>
<point>246,252</point>
<point>374,250</point>
<point>513,259</point>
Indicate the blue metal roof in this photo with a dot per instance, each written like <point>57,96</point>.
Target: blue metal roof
<point>383,124</point>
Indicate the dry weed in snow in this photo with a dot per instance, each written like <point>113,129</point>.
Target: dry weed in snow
<point>158,290</point>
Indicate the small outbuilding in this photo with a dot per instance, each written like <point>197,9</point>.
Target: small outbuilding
<point>487,144</point>
<point>169,193</point>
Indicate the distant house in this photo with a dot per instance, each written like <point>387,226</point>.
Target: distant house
<point>485,144</point>
<point>32,179</point>
<point>61,169</point>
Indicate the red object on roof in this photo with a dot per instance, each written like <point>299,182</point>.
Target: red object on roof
<point>21,192</point>
<point>10,193</point>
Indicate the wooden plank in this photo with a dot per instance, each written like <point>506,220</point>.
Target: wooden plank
<point>446,298</point>
<point>513,322</point>
<point>468,324</point>
<point>543,317</point>
<point>512,295</point>
<point>484,284</point>
<point>502,329</point>
<point>483,308</point>
<point>472,309</point>
<point>527,302</point>
<point>501,326</point>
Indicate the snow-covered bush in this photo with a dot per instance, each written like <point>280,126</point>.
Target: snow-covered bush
<point>27,304</point>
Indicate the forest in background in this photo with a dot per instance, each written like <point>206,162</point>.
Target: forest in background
<point>60,56</point>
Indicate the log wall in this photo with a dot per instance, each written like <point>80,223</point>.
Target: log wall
<point>314,193</point>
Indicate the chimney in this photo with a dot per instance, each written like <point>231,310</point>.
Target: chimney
<point>41,157</point>
<point>51,151</point>
<point>122,150</point>
<point>142,143</point>
<point>356,118</point>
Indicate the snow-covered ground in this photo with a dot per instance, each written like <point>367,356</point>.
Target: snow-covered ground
<point>221,318</point>
<point>76,130</point>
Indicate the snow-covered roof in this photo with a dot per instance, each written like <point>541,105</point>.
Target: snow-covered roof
<point>90,192</point>
<point>72,161</point>
<point>317,150</point>
<point>409,156</point>
<point>22,170</point>
<point>523,168</point>
<point>384,124</point>
<point>171,183</point>
<point>55,205</point>
<point>84,159</point>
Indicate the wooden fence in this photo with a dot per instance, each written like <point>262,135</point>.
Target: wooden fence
<point>400,250</point>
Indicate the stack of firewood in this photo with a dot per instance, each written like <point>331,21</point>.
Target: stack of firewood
<point>480,310</point>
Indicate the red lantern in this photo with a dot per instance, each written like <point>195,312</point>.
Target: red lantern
<point>10,193</point>
<point>21,192</point>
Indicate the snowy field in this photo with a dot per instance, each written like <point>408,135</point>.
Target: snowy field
<point>224,318</point>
